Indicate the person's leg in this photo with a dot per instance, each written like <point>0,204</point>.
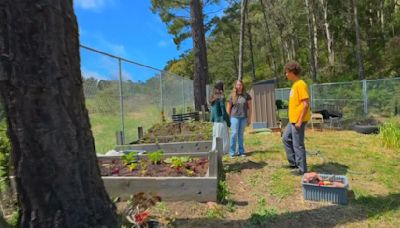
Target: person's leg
<point>234,134</point>
<point>225,138</point>
<point>214,137</point>
<point>299,147</point>
<point>288,143</point>
<point>242,126</point>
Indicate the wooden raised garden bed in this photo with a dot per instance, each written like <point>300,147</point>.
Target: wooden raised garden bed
<point>196,180</point>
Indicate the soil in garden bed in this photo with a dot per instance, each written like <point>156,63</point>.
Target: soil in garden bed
<point>197,167</point>
<point>178,132</point>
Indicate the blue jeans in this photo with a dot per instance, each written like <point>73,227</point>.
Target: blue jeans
<point>237,129</point>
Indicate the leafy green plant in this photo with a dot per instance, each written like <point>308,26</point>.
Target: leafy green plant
<point>132,166</point>
<point>129,158</point>
<point>390,134</point>
<point>156,156</point>
<point>263,214</point>
<point>7,199</point>
<point>215,212</point>
<point>143,166</point>
<point>223,192</point>
<point>177,162</point>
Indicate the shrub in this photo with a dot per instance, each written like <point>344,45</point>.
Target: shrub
<point>390,134</point>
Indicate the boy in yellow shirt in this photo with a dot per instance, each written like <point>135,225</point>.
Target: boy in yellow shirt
<point>299,115</point>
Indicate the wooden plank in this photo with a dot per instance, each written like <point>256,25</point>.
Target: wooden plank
<point>202,189</point>
<point>175,147</point>
<point>220,154</point>
<point>190,154</point>
<point>140,132</point>
<point>213,164</point>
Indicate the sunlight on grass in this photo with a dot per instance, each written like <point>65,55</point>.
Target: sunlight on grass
<point>282,184</point>
<point>105,126</point>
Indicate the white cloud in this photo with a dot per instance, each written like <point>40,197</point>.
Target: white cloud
<point>162,43</point>
<point>93,74</point>
<point>95,5</point>
<point>97,40</point>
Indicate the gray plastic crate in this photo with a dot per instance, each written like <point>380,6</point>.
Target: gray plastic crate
<point>325,193</point>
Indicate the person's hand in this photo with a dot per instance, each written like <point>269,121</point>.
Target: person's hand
<point>298,124</point>
<point>248,122</point>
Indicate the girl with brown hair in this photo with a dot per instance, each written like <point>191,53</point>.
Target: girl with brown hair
<point>239,109</point>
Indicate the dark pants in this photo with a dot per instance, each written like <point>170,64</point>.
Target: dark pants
<point>293,139</point>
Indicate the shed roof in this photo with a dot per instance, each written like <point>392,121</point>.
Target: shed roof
<point>269,81</point>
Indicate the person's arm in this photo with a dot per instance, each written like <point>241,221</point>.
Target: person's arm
<point>224,113</point>
<point>229,108</point>
<point>303,113</point>
<point>249,112</point>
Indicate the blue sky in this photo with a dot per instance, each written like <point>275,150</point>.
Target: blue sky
<point>129,29</point>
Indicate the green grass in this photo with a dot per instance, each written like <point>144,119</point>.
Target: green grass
<point>390,134</point>
<point>282,184</point>
<point>263,214</point>
<point>105,126</point>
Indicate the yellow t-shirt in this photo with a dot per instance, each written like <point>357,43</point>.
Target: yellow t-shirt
<point>298,93</point>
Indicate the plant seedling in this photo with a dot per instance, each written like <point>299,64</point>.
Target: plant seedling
<point>130,158</point>
<point>177,162</point>
<point>155,157</point>
<point>132,166</point>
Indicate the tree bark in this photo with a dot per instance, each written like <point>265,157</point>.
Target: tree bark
<point>361,73</point>
<point>313,69</point>
<point>382,18</point>
<point>253,67</point>
<point>268,33</point>
<point>241,41</point>
<point>315,32</point>
<point>329,37</point>
<point>235,63</point>
<point>56,172</point>
<point>200,78</point>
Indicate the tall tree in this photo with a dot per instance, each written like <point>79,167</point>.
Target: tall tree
<point>183,26</point>
<point>313,68</point>
<point>56,173</point>
<point>250,37</point>
<point>360,61</point>
<point>268,33</point>
<point>200,77</point>
<point>241,41</point>
<point>329,37</point>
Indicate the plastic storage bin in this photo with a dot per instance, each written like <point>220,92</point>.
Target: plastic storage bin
<point>326,193</point>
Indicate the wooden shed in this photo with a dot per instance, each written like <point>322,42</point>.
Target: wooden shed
<point>263,104</point>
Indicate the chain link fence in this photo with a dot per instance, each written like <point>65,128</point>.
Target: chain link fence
<point>122,95</point>
<point>356,99</point>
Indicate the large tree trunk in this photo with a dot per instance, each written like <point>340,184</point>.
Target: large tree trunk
<point>268,33</point>
<point>241,41</point>
<point>361,73</point>
<point>56,172</point>
<point>329,37</point>
<point>253,67</point>
<point>313,69</point>
<point>200,77</point>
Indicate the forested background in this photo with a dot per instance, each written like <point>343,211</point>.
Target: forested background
<point>319,31</point>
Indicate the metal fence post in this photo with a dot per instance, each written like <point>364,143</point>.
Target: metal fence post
<point>183,94</point>
<point>365,97</point>
<point>162,98</point>
<point>121,101</point>
<point>312,96</point>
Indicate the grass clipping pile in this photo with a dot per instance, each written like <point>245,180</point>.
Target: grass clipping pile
<point>178,132</point>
